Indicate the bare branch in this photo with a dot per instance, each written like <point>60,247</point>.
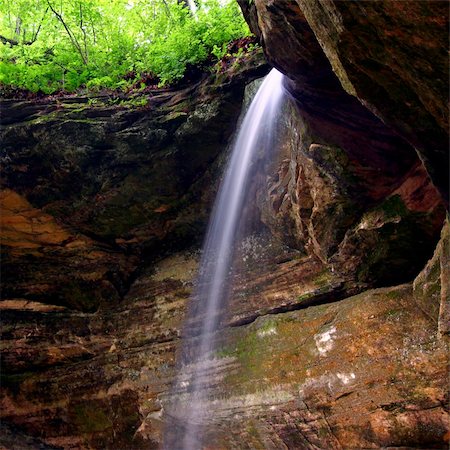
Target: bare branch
<point>86,51</point>
<point>167,9</point>
<point>73,39</point>
<point>6,40</point>
<point>13,42</point>
<point>35,36</point>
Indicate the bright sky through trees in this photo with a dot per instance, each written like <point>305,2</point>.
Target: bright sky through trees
<point>66,44</point>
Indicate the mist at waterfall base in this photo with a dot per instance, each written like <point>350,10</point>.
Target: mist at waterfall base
<point>187,411</point>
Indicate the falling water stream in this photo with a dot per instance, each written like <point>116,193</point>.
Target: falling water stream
<point>255,141</point>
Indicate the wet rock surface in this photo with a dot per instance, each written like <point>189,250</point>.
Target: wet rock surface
<point>364,372</point>
<point>347,375</point>
<point>346,181</point>
<point>345,58</point>
<point>337,332</point>
<point>396,70</point>
<point>319,202</point>
<point>98,185</point>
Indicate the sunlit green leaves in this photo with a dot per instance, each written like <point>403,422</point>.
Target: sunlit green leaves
<point>66,44</point>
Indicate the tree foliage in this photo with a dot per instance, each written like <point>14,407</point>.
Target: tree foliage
<point>49,45</point>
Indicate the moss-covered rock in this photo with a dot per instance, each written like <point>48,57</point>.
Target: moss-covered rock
<point>431,285</point>
<point>365,372</point>
<point>118,179</point>
<point>389,245</point>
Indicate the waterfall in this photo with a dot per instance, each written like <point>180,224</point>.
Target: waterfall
<point>255,142</point>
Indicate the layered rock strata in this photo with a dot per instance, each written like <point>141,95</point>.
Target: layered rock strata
<point>391,56</point>
<point>311,355</point>
<point>96,185</point>
<point>365,372</point>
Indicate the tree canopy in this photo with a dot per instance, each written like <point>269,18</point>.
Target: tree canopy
<point>49,45</point>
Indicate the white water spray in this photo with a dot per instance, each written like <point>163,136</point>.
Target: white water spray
<point>188,405</point>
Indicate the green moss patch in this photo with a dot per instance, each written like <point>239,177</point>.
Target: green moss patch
<point>91,417</point>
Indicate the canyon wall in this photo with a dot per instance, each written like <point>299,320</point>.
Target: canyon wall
<point>338,324</point>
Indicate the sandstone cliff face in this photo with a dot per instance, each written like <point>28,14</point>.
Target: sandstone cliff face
<point>349,177</point>
<point>398,71</point>
<point>368,224</point>
<point>96,185</point>
<point>93,190</point>
<point>333,339</point>
<point>391,55</point>
<point>364,372</point>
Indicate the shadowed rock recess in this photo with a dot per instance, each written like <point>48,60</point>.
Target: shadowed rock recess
<point>338,327</point>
